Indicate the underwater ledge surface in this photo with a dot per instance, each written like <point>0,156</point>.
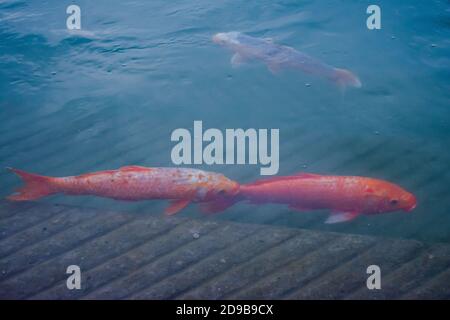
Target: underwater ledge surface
<point>125,255</point>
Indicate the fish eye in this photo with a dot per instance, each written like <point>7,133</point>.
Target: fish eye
<point>393,202</point>
<point>222,192</point>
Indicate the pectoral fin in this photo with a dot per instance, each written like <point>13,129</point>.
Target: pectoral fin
<point>237,60</point>
<point>306,175</point>
<point>298,207</point>
<point>274,68</point>
<point>217,205</point>
<point>175,206</point>
<point>134,168</point>
<point>337,217</point>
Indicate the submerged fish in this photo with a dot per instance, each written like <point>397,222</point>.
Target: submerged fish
<point>277,56</point>
<point>180,185</point>
<point>346,196</point>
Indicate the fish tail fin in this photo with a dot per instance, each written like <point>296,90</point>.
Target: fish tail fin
<point>345,78</point>
<point>218,205</point>
<point>35,187</point>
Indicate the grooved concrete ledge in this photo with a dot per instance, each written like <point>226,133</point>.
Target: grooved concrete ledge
<point>142,256</point>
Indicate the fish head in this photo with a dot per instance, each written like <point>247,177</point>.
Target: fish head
<point>392,197</point>
<point>226,38</point>
<point>227,187</point>
<point>223,195</point>
<point>404,201</point>
<point>222,187</point>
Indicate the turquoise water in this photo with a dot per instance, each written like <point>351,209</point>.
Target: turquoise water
<point>111,94</point>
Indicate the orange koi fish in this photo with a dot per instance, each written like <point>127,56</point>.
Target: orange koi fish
<point>346,196</point>
<point>180,185</point>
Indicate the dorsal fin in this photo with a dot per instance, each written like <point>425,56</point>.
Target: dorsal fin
<point>93,174</point>
<point>300,175</point>
<point>306,175</point>
<point>134,168</point>
<point>267,180</point>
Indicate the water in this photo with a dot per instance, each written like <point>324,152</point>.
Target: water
<point>111,94</point>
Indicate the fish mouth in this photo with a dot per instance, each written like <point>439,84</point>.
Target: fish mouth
<point>410,202</point>
<point>236,188</point>
<point>357,83</point>
<point>412,206</point>
<point>218,38</point>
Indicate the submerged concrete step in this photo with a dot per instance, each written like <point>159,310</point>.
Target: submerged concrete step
<point>149,256</point>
